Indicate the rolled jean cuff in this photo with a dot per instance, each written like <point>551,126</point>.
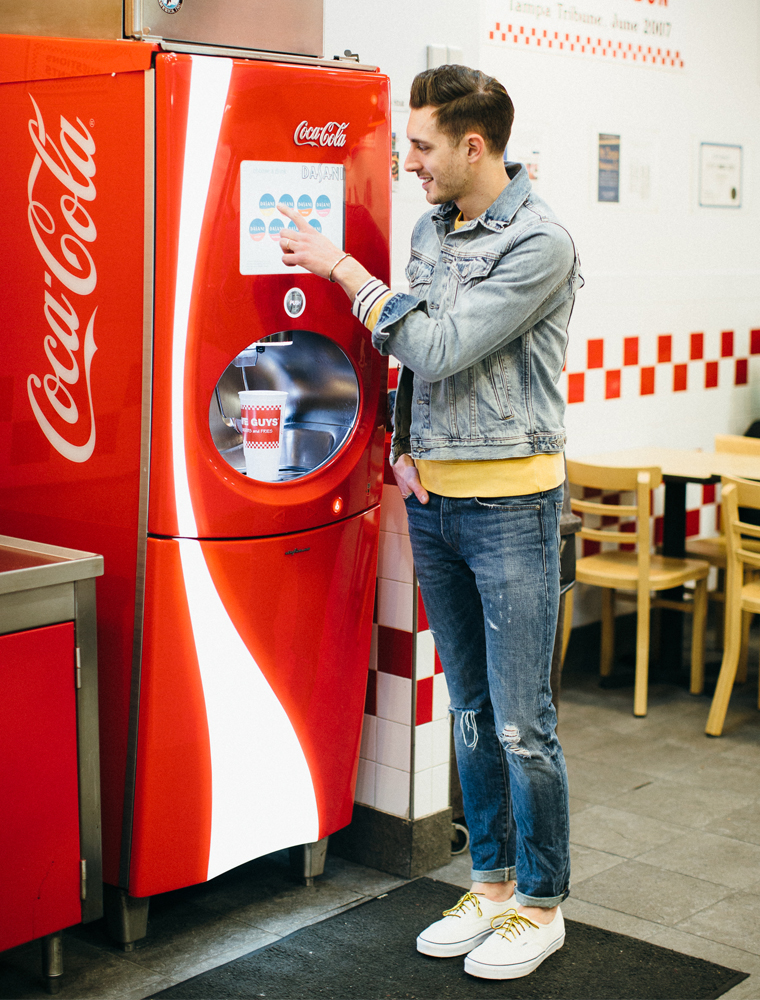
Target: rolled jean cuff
<point>500,875</point>
<point>547,902</point>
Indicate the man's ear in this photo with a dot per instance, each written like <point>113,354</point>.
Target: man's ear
<point>475,146</point>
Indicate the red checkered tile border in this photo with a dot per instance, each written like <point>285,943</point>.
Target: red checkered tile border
<point>589,45</point>
<point>665,374</point>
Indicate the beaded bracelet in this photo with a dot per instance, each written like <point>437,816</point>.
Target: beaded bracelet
<point>330,275</point>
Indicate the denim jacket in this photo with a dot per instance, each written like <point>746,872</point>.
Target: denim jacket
<point>482,335</point>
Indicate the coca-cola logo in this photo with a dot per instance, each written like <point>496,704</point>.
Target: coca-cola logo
<point>331,134</point>
<point>61,233</point>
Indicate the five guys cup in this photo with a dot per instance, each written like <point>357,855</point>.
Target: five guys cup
<point>261,418</point>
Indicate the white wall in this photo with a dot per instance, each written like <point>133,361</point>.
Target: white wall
<point>654,265</point>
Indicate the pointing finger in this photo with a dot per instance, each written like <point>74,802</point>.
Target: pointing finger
<point>294,216</point>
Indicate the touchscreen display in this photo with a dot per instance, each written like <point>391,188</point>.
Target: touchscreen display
<point>315,190</point>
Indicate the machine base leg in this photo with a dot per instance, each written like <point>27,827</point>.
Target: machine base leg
<point>308,860</point>
<point>126,916</point>
<point>52,961</point>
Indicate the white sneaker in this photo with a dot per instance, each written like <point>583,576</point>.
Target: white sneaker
<point>463,927</point>
<point>516,948</point>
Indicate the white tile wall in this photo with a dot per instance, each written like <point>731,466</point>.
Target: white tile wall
<point>369,738</point>
<point>394,604</point>
<point>440,749</point>
<point>395,557</point>
<point>391,790</point>
<point>393,511</point>
<point>440,698</point>
<point>439,797</point>
<point>394,698</point>
<point>425,654</point>
<point>423,793</point>
<point>393,744</point>
<point>423,747</point>
<point>365,782</point>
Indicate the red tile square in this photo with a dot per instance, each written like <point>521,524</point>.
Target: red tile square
<point>591,548</point>
<point>708,493</point>
<point>659,529</point>
<point>711,375</point>
<point>394,651</point>
<point>630,350</point>
<point>727,344</point>
<point>628,526</point>
<point>595,354</point>
<point>438,664</point>
<point>647,381</point>
<point>697,350</point>
<point>612,384</point>
<point>664,348</point>
<point>680,377</point>
<point>742,375</point>
<point>692,523</point>
<point>424,708</point>
<point>370,700</point>
<point>422,621</point>
<point>576,387</point>
<point>754,341</point>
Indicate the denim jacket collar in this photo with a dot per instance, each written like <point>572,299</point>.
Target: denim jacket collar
<point>500,213</point>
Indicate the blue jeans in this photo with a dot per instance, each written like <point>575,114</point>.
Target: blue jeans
<point>489,574</point>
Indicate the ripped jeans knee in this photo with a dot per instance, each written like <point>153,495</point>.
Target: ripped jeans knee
<point>468,725</point>
<point>511,740</point>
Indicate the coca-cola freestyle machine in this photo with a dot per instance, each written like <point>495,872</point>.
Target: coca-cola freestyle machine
<point>143,291</point>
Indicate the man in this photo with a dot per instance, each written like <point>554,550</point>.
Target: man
<point>477,454</point>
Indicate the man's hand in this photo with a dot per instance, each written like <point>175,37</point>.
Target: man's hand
<point>408,479</point>
<point>305,247</point>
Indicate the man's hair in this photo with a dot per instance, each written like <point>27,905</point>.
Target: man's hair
<point>466,101</point>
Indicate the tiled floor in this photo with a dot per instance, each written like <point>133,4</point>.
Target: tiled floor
<point>665,833</point>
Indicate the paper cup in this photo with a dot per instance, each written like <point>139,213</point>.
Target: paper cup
<point>261,419</point>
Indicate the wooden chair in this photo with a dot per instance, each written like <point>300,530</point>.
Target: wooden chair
<point>714,549</point>
<point>742,588</point>
<point>638,572</point>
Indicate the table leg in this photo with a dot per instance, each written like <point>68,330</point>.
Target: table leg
<point>673,544</point>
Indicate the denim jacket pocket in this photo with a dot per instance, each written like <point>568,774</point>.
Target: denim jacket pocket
<point>469,270</point>
<point>419,274</point>
<point>498,379</point>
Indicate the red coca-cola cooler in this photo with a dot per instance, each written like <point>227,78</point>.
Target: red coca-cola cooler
<point>143,292</point>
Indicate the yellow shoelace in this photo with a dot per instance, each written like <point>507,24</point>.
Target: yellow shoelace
<point>462,904</point>
<point>512,923</point>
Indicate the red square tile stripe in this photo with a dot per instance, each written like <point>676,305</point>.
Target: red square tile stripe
<point>422,620</point>
<point>697,347</point>
<point>424,708</point>
<point>438,664</point>
<point>708,493</point>
<point>394,651</point>
<point>370,700</point>
<point>576,387</point>
<point>612,384</point>
<point>727,344</point>
<point>742,375</point>
<point>711,375</point>
<point>664,348</point>
<point>630,350</point>
<point>692,523</point>
<point>680,377</point>
<point>595,354</point>
<point>647,381</point>
<point>754,341</point>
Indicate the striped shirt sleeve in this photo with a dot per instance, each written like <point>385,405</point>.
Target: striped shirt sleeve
<point>369,301</point>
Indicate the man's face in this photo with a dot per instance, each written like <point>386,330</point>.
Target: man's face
<point>442,168</point>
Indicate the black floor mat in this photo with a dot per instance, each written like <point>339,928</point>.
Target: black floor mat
<point>368,952</point>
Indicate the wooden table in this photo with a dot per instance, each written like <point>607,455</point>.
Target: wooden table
<point>679,466</point>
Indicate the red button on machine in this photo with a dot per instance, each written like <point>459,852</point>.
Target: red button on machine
<point>337,505</point>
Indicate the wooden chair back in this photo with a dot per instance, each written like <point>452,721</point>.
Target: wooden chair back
<point>638,481</point>
<point>737,444</point>
<point>736,494</point>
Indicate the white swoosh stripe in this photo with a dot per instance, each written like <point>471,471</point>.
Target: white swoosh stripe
<point>262,796</point>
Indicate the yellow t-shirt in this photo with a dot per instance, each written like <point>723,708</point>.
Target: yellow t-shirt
<point>500,477</point>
